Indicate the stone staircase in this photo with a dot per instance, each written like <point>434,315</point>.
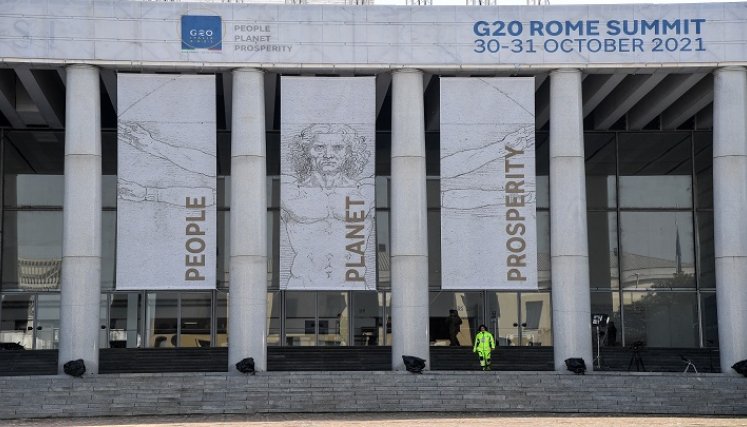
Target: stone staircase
<point>374,391</point>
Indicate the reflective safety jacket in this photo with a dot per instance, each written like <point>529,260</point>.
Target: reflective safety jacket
<point>484,342</point>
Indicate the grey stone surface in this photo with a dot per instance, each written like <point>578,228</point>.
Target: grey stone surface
<point>729,206</point>
<point>408,220</point>
<point>81,247</point>
<point>130,394</point>
<point>248,271</point>
<point>569,252</point>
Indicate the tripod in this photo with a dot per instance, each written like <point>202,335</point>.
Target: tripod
<point>598,359</point>
<point>636,358</point>
<point>690,364</point>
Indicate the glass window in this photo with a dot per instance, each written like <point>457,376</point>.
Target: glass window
<point>108,248</point>
<point>607,303</point>
<point>103,332</point>
<point>382,191</point>
<point>300,318</point>
<point>433,193</point>
<point>536,319</point>
<point>334,319</point>
<point>223,149</point>
<point>710,319</point>
<point>17,322</point>
<point>47,321</point>
<point>655,170</point>
<point>542,169</point>
<point>383,147</point>
<point>273,249</point>
<point>272,145</point>
<point>33,164</point>
<point>224,192</point>
<point>162,319</point>
<point>703,170</point>
<point>434,249</point>
<point>544,273</point>
<point>432,152</point>
<point>661,318</point>
<point>125,321</point>
<point>503,318</point>
<point>454,317</point>
<point>109,191</point>
<point>273,318</point>
<point>34,190</point>
<point>368,318</point>
<point>32,250</point>
<point>706,254</point>
<point>221,320</point>
<point>520,319</point>
<point>601,170</point>
<point>273,192</point>
<point>657,250</point>
<point>109,169</point>
<point>223,256</point>
<point>383,246</point>
<point>602,249</point>
<point>195,319</point>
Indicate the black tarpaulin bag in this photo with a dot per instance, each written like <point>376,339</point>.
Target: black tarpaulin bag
<point>246,366</point>
<point>75,368</point>
<point>575,365</point>
<point>414,364</point>
<point>740,367</point>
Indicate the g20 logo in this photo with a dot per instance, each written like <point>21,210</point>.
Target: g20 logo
<point>202,32</point>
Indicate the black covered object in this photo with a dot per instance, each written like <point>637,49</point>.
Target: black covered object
<point>75,368</point>
<point>575,365</point>
<point>246,366</point>
<point>740,367</point>
<point>414,364</point>
<point>11,346</point>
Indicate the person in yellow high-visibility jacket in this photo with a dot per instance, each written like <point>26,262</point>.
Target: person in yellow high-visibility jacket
<point>484,345</point>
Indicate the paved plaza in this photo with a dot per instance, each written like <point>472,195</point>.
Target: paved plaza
<point>376,420</point>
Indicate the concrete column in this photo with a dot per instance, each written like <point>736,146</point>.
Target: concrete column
<point>571,302</point>
<point>409,232</point>
<point>81,235</point>
<point>729,206</point>
<point>247,299</point>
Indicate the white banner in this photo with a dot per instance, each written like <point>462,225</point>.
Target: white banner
<point>488,215</point>
<point>327,166</point>
<point>166,189</point>
<point>218,36</point>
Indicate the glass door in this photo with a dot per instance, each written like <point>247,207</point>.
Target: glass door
<point>503,318</point>
<point>300,318</point>
<point>535,325</point>
<point>333,325</point>
<point>125,320</point>
<point>47,327</point>
<point>520,318</point>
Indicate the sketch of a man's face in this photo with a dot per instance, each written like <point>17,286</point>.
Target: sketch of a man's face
<point>327,153</point>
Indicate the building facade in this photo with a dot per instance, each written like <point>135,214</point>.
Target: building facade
<point>640,164</point>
